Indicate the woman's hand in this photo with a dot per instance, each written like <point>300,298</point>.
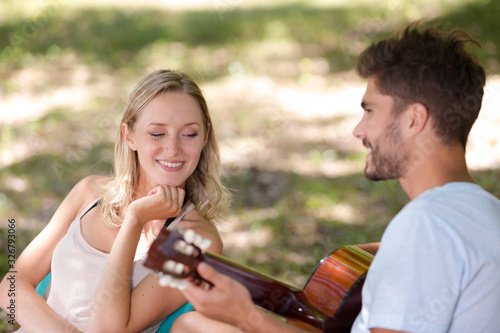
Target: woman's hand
<point>161,202</point>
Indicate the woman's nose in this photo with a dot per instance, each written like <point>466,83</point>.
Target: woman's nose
<point>172,144</point>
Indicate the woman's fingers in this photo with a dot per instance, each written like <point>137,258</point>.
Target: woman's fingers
<point>162,202</point>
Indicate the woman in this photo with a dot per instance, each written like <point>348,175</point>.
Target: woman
<point>166,167</point>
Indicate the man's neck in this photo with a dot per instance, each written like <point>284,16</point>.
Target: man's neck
<point>445,165</point>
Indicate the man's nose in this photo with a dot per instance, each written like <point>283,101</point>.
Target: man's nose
<point>359,131</point>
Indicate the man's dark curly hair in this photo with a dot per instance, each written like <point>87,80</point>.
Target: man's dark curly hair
<point>431,67</point>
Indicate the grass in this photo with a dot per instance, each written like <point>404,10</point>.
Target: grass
<point>295,225</point>
<point>67,67</point>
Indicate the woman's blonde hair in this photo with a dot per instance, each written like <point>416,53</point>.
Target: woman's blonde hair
<point>203,187</point>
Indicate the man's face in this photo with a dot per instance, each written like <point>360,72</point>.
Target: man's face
<point>380,132</point>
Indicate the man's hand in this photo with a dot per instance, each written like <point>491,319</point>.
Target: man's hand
<point>227,301</point>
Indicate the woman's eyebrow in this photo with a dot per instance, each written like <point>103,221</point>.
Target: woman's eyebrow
<point>164,124</point>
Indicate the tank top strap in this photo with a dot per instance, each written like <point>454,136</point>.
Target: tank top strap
<point>87,209</point>
<point>186,210</point>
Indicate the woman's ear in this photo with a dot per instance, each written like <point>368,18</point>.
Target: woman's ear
<point>128,135</point>
<point>205,140</point>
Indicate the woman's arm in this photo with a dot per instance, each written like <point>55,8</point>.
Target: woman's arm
<point>115,307</point>
<point>32,312</point>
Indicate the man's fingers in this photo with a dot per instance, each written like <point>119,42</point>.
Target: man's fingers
<point>208,273</point>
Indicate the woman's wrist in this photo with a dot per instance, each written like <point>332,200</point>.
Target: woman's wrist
<point>132,218</point>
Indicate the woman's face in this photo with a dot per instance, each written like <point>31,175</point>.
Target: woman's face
<point>168,137</point>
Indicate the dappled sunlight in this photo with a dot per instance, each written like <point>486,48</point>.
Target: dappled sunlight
<point>284,98</point>
<point>340,212</point>
<point>32,92</point>
<point>319,118</point>
<point>483,147</point>
<point>242,240</point>
<point>307,103</point>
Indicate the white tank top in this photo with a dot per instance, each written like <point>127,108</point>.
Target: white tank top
<point>76,269</point>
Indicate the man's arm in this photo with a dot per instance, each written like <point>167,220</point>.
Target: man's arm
<point>229,301</point>
<point>371,248</point>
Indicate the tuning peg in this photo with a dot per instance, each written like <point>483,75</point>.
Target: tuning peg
<point>184,248</point>
<point>193,238</point>
<point>179,268</point>
<point>188,250</point>
<point>189,236</point>
<point>169,266</point>
<point>170,281</point>
<point>165,280</point>
<point>181,284</point>
<point>205,244</point>
<point>197,240</point>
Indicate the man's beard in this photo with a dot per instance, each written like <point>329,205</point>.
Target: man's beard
<point>390,163</point>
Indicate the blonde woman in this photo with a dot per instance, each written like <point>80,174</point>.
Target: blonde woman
<point>166,174</point>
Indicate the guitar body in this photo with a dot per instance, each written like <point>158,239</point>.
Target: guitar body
<point>335,286</point>
<point>329,302</point>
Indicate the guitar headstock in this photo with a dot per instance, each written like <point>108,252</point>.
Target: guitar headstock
<point>174,253</point>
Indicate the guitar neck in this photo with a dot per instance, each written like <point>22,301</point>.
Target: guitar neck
<point>330,300</point>
<point>269,293</point>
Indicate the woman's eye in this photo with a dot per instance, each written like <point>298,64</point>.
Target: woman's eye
<point>156,135</point>
<point>192,135</point>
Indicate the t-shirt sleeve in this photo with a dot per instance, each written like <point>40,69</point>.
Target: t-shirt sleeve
<point>417,295</point>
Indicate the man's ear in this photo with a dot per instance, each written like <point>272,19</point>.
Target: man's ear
<point>128,135</point>
<point>416,118</point>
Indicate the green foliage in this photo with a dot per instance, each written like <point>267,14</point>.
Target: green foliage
<point>480,18</point>
<point>122,37</point>
<point>281,223</point>
<point>308,218</point>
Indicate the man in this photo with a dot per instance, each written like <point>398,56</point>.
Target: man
<point>439,259</point>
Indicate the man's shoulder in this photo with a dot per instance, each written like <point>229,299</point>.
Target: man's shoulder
<point>459,211</point>
<point>456,195</point>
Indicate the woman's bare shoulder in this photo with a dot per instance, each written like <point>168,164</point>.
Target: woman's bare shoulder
<point>90,189</point>
<point>207,229</point>
<point>93,181</point>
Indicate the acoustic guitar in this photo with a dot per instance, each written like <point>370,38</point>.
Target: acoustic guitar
<point>329,302</point>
